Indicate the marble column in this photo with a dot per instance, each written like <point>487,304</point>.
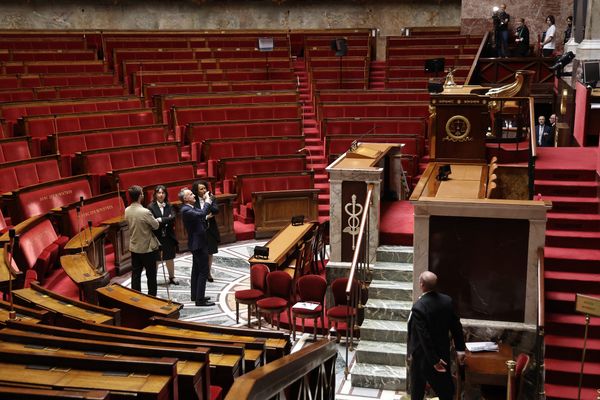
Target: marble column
<point>589,48</point>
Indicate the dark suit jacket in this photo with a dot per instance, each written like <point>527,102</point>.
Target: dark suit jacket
<point>547,136</point>
<point>432,317</point>
<point>523,46</point>
<point>212,228</point>
<point>167,220</point>
<point>194,220</point>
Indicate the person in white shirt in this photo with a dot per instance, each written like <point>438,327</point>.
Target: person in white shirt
<point>548,43</point>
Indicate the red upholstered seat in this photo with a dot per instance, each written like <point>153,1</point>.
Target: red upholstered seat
<point>342,311</point>
<point>216,392</point>
<point>258,288</point>
<point>272,303</point>
<point>279,285</point>
<point>249,294</point>
<point>310,289</point>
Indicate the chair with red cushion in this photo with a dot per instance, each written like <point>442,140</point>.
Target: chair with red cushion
<point>279,285</point>
<point>310,289</point>
<point>258,288</point>
<point>341,311</point>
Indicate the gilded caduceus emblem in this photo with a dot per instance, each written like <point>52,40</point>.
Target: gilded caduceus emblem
<point>353,210</point>
<point>458,129</point>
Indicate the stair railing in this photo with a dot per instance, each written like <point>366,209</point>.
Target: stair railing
<point>539,345</point>
<point>359,271</point>
<point>471,74</point>
<point>306,374</point>
<point>532,149</point>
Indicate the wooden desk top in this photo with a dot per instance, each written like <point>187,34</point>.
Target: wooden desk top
<point>4,315</point>
<point>466,182</point>
<point>84,236</point>
<point>83,379</point>
<point>114,220</point>
<point>184,367</point>
<point>367,155</point>
<point>488,367</point>
<point>283,243</point>
<point>59,306</point>
<point>141,301</point>
<point>4,274</point>
<point>78,268</point>
<point>178,332</point>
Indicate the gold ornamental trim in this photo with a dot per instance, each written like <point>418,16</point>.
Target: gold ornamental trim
<point>458,129</point>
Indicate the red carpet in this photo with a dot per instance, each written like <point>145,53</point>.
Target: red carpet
<point>396,223</point>
<point>567,177</point>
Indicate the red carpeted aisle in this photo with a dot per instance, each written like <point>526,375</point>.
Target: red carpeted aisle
<point>396,223</point>
<point>567,177</point>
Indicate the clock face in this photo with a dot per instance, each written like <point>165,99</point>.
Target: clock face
<point>458,129</point>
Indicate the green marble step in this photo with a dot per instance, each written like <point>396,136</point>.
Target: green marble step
<point>399,254</point>
<point>383,353</point>
<point>378,376</point>
<point>392,271</point>
<point>394,310</point>
<point>383,330</point>
<point>390,290</point>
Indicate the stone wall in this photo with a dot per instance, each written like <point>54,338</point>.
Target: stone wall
<point>387,15</point>
<point>476,15</point>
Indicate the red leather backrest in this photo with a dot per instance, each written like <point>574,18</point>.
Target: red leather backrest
<point>97,212</point>
<point>42,200</point>
<point>35,240</point>
<point>15,151</point>
<point>98,163</point>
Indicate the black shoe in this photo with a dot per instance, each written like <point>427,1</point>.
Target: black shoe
<point>210,279</point>
<point>204,304</point>
<point>173,281</point>
<point>206,298</point>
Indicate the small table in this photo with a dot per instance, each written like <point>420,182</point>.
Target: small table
<point>283,245</point>
<point>488,367</point>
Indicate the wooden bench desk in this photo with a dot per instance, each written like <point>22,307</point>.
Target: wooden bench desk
<point>283,245</point>
<point>136,307</point>
<point>92,243</point>
<point>23,313</point>
<point>86,277</point>
<point>24,393</point>
<point>66,311</point>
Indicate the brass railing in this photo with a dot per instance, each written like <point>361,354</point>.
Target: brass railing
<point>532,149</point>
<point>476,60</point>
<point>359,271</point>
<point>539,345</point>
<point>306,374</point>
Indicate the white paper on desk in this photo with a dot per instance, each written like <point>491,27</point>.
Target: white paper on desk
<point>306,306</point>
<point>481,346</point>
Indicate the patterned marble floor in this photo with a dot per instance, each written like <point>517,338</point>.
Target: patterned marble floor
<point>230,271</point>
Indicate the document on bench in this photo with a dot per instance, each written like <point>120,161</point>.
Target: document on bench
<point>306,305</point>
<point>481,346</point>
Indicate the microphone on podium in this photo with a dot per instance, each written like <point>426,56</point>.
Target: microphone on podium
<point>354,144</point>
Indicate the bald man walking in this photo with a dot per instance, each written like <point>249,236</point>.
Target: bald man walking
<point>432,318</point>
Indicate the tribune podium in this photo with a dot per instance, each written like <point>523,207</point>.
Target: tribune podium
<point>458,126</point>
<point>349,176</point>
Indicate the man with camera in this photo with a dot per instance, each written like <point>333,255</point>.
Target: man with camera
<point>501,19</point>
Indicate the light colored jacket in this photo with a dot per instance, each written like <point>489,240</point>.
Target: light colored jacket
<point>141,224</point>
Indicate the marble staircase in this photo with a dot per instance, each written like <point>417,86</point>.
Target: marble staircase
<point>381,352</point>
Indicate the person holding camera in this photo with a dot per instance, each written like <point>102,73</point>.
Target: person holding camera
<point>194,220</point>
<point>501,19</point>
<point>213,237</point>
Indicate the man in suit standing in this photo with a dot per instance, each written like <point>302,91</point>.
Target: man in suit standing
<point>431,318</point>
<point>194,220</point>
<point>543,133</point>
<point>142,242</point>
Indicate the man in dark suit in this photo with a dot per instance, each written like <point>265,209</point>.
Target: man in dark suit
<point>431,318</point>
<point>522,39</point>
<point>194,220</point>
<point>544,136</point>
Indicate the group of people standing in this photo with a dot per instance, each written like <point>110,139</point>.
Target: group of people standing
<point>152,238</point>
<point>547,44</point>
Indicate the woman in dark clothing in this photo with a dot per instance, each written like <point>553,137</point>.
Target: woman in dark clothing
<point>165,214</point>
<point>199,188</point>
